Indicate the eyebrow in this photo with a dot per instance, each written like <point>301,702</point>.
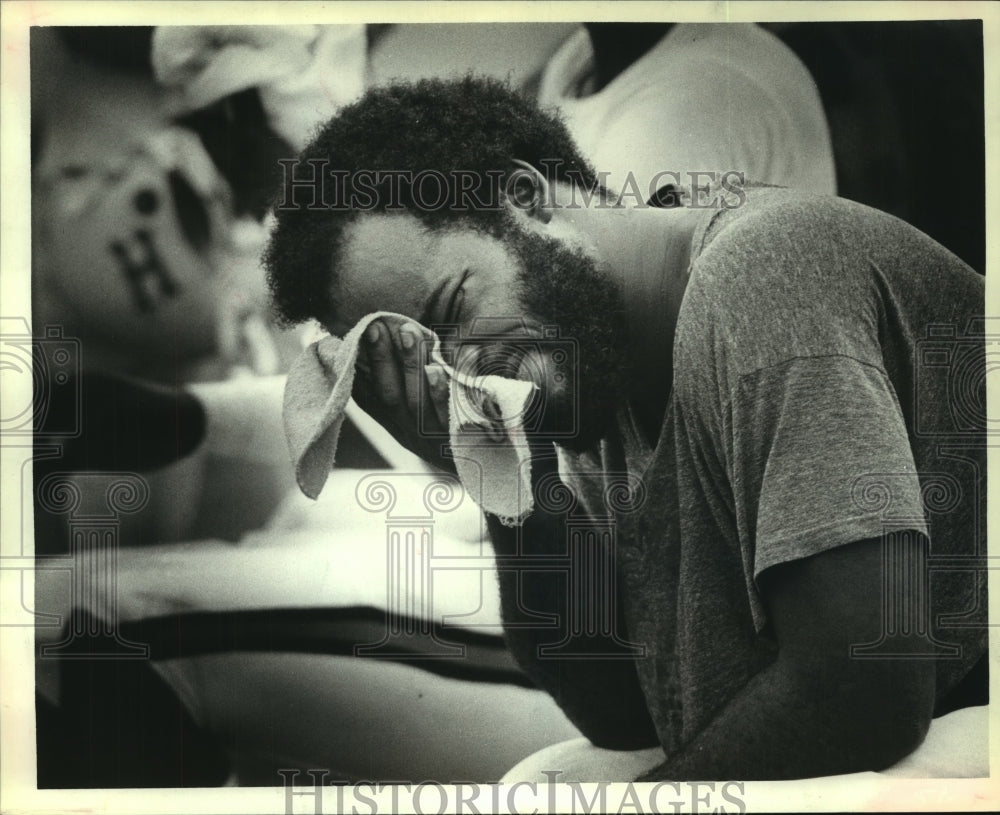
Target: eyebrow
<point>432,303</point>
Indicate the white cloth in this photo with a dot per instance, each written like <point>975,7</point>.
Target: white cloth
<point>485,430</point>
<point>956,746</point>
<point>304,72</point>
<point>706,97</point>
<point>241,415</point>
<point>328,553</point>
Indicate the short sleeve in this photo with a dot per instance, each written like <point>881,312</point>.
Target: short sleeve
<point>819,457</point>
<point>793,440</point>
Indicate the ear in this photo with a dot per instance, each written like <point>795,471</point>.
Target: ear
<point>528,191</point>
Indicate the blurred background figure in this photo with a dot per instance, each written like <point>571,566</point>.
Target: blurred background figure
<point>300,75</point>
<point>152,166</point>
<point>155,155</point>
<point>869,110</point>
<point>641,99</point>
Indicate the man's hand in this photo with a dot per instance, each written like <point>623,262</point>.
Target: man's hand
<point>394,387</point>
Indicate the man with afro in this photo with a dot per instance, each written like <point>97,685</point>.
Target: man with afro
<point>791,386</point>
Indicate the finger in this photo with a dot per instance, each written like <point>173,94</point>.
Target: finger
<point>411,351</point>
<point>361,363</point>
<point>362,389</point>
<point>385,377</point>
<point>438,392</point>
<point>367,397</point>
<point>366,391</point>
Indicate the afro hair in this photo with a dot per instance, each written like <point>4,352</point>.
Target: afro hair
<point>465,128</point>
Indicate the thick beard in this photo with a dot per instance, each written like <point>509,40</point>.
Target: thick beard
<point>559,286</point>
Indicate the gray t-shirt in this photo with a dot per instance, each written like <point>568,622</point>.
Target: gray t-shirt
<point>828,388</point>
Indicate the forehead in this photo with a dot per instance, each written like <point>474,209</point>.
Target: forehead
<point>392,262</point>
<point>380,242</point>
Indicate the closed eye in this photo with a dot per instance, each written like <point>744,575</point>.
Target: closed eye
<point>454,309</point>
<point>432,309</point>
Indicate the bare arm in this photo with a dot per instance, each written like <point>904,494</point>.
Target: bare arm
<point>601,696</point>
<point>816,711</point>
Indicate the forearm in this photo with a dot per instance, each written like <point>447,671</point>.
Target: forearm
<point>804,719</point>
<point>600,695</point>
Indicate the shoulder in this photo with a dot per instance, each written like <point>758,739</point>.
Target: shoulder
<point>784,275</point>
<point>777,237</point>
<point>759,238</point>
<point>762,208</point>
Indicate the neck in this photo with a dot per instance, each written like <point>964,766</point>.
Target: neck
<point>647,251</point>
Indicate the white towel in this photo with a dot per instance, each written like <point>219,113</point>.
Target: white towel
<point>485,430</point>
<point>304,73</point>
